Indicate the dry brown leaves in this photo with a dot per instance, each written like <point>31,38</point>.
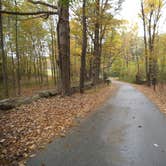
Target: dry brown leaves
<point>158,96</point>
<point>30,127</point>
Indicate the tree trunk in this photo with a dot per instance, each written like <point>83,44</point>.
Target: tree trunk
<point>17,54</point>
<point>12,58</point>
<point>52,59</point>
<point>4,60</point>
<point>63,31</point>
<point>40,63</point>
<point>96,63</point>
<point>100,53</point>
<point>145,41</point>
<point>151,49</point>
<point>84,47</point>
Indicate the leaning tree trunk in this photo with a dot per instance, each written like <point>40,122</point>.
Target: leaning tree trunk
<point>84,47</point>
<point>63,31</point>
<point>2,53</point>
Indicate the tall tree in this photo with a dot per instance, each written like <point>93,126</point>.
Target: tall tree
<point>151,14</point>
<point>63,31</point>
<point>102,20</point>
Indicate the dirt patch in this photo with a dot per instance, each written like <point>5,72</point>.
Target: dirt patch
<point>158,96</point>
<point>30,127</point>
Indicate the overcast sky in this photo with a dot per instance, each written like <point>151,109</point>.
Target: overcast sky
<point>130,10</point>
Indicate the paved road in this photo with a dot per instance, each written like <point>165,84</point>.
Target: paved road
<point>128,130</point>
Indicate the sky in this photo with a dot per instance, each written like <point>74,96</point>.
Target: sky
<point>130,10</point>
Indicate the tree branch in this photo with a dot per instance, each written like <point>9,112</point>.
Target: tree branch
<point>47,13</point>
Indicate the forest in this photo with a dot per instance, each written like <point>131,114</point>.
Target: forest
<point>65,60</point>
<point>39,50</point>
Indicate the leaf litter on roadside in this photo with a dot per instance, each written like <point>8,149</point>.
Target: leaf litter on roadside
<point>31,127</point>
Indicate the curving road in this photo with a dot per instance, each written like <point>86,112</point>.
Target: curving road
<point>128,130</point>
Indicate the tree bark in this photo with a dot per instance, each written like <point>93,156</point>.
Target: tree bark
<point>63,31</point>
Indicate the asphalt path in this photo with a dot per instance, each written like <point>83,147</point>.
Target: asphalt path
<point>128,130</point>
